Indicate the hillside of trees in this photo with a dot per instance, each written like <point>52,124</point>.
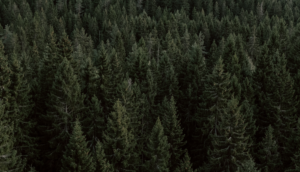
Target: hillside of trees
<point>149,85</point>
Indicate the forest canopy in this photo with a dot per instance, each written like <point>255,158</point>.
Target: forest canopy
<point>149,85</point>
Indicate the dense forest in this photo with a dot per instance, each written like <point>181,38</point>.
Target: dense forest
<point>149,85</point>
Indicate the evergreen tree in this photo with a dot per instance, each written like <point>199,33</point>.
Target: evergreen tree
<point>248,166</point>
<point>269,157</point>
<point>9,161</point>
<point>157,151</point>
<point>77,156</point>
<point>94,122</point>
<point>230,146</point>
<point>89,79</point>
<point>185,165</point>
<point>101,62</point>
<point>217,93</point>
<point>64,105</point>
<point>65,50</point>
<point>20,111</point>
<point>5,73</point>
<point>296,163</point>
<point>280,106</point>
<point>102,165</point>
<point>173,130</point>
<point>119,142</point>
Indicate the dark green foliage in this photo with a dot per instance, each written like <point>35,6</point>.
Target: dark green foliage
<point>185,165</point>
<point>268,155</point>
<point>89,79</point>
<point>94,122</point>
<point>67,59</point>
<point>172,128</point>
<point>5,75</point>
<point>248,166</point>
<point>21,108</point>
<point>77,156</point>
<point>157,151</point>
<point>279,105</point>
<point>102,165</point>
<point>119,142</point>
<point>9,160</point>
<point>229,133</point>
<point>64,105</point>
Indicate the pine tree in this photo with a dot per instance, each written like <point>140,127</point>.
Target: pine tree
<point>102,165</point>
<point>296,163</point>
<point>89,79</point>
<point>229,145</point>
<point>64,105</point>
<point>280,106</point>
<point>32,169</point>
<point>185,165</point>
<point>5,73</point>
<point>248,166</point>
<point>77,157</point>
<point>119,142</point>
<point>9,161</point>
<point>138,64</point>
<point>20,111</point>
<point>65,50</point>
<point>217,93</point>
<point>229,52</point>
<point>157,151</point>
<point>46,71</point>
<point>213,56</point>
<point>151,7</point>
<point>173,130</point>
<point>168,81</point>
<point>94,122</point>
<point>115,76</point>
<point>268,155</point>
<point>262,86</point>
<point>102,65</point>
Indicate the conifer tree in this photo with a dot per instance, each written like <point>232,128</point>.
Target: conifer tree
<point>89,79</point>
<point>151,7</point>
<point>115,76</point>
<point>102,165</point>
<point>64,105</point>
<point>168,81</point>
<point>262,85</point>
<point>119,142</point>
<point>77,156</point>
<point>229,51</point>
<point>47,70</point>
<point>150,104</point>
<point>157,151</point>
<point>9,160</point>
<point>32,169</point>
<point>101,63</point>
<point>213,56</point>
<point>280,105</point>
<point>94,122</point>
<point>294,148</point>
<point>296,163</point>
<point>5,73</point>
<point>65,50</point>
<point>173,130</point>
<point>185,165</point>
<point>20,111</point>
<point>138,64</point>
<point>248,166</point>
<point>268,155</point>
<point>217,93</point>
<point>229,145</point>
